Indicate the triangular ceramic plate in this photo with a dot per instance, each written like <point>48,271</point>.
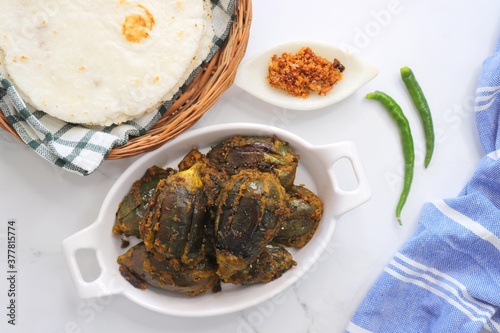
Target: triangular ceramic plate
<point>251,76</point>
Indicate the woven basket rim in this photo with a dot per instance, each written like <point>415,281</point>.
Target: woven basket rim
<point>203,91</point>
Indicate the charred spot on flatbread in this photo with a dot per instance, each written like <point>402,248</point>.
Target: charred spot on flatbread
<point>137,27</point>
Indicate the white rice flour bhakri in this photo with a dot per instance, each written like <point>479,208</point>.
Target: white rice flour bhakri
<point>102,62</point>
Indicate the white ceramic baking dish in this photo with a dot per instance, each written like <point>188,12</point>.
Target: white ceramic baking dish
<point>315,171</point>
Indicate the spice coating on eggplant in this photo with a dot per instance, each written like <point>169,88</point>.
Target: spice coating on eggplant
<point>251,210</point>
<point>132,208</point>
<point>212,178</point>
<point>306,210</point>
<point>269,265</point>
<point>267,154</point>
<point>175,221</point>
<point>140,267</point>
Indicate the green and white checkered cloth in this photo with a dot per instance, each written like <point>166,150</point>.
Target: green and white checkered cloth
<point>82,149</point>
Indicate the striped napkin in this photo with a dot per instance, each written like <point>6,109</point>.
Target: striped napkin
<point>446,278</point>
<point>82,149</point>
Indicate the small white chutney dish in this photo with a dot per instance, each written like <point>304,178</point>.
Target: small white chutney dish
<point>315,171</point>
<point>252,73</point>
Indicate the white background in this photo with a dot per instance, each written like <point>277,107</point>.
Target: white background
<point>444,42</point>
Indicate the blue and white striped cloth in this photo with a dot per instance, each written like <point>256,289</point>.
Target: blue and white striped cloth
<point>446,278</point>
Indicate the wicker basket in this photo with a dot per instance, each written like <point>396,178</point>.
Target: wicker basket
<point>217,76</point>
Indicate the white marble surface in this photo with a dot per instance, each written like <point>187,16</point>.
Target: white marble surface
<point>443,41</point>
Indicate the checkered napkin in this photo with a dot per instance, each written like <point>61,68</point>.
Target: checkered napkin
<point>82,149</point>
<point>446,278</point>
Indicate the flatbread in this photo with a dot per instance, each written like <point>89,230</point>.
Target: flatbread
<point>101,62</point>
<point>202,53</point>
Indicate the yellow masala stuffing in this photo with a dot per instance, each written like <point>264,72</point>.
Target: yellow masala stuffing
<point>299,74</point>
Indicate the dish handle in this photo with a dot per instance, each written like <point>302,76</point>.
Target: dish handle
<point>345,200</point>
<point>90,238</point>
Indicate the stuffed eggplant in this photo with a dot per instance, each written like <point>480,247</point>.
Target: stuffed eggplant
<point>174,225</point>
<point>251,210</point>
<point>266,154</point>
<point>269,265</point>
<point>213,179</point>
<point>133,207</point>
<point>141,268</point>
<point>306,210</point>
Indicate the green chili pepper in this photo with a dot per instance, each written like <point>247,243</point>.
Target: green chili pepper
<point>420,103</point>
<point>406,140</point>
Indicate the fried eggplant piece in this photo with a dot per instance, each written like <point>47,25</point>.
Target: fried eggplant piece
<point>251,210</point>
<point>175,221</point>
<point>140,268</point>
<point>267,154</point>
<point>133,207</point>
<point>306,210</point>
<point>213,179</point>
<point>270,264</point>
